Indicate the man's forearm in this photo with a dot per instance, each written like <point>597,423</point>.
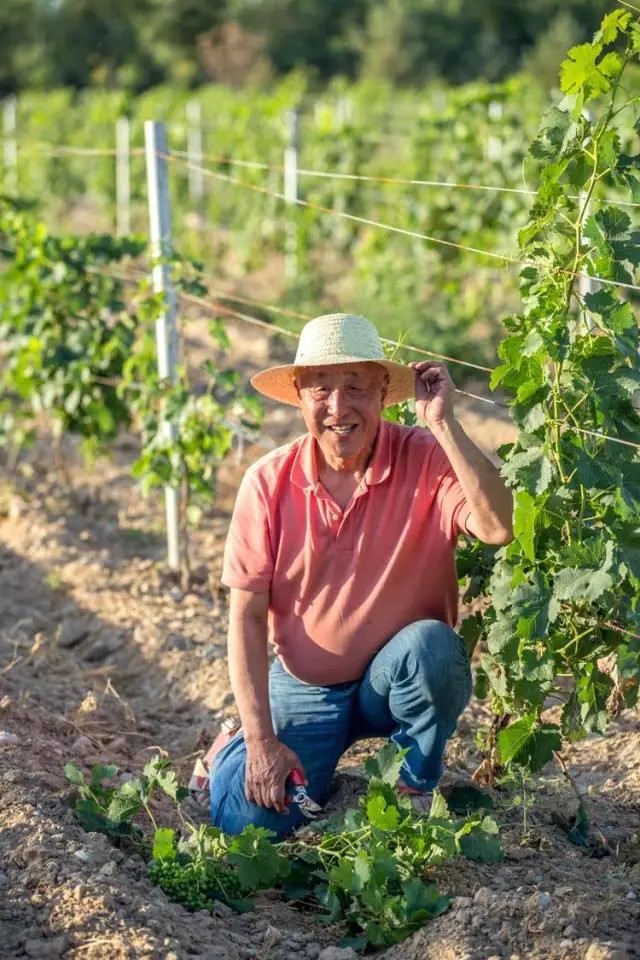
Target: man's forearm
<point>249,675</point>
<point>487,495</point>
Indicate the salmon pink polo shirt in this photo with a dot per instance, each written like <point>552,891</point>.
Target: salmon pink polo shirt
<point>343,582</point>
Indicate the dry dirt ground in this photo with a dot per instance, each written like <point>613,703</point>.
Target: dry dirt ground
<point>102,658</point>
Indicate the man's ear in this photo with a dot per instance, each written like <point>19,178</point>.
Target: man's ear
<point>385,388</point>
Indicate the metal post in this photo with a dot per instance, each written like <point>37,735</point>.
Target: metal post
<point>123,177</point>
<point>9,129</point>
<point>494,144</point>
<point>344,111</point>
<point>195,153</point>
<point>156,151</point>
<point>291,192</point>
<point>585,282</point>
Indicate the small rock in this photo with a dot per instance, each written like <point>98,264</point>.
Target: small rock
<point>544,901</point>
<point>483,897</point>
<point>312,950</point>
<point>82,854</point>
<point>632,895</point>
<point>176,641</point>
<point>108,869</point>
<point>176,594</point>
<point>220,909</point>
<point>81,746</point>
<point>6,737</point>
<point>564,891</point>
<point>4,879</point>
<point>604,951</point>
<point>103,647</point>
<point>569,931</point>
<point>338,953</point>
<point>71,632</point>
<point>51,947</point>
<point>271,936</point>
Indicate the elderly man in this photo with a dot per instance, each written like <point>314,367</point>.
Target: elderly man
<point>341,556</point>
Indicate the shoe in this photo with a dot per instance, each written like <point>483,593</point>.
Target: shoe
<point>421,800</point>
<point>199,782</point>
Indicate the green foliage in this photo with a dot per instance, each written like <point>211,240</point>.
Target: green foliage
<point>81,43</point>
<point>80,354</point>
<point>365,869</point>
<point>64,356</point>
<point>112,809</point>
<point>565,592</point>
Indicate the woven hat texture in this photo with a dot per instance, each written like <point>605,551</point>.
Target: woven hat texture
<point>332,339</point>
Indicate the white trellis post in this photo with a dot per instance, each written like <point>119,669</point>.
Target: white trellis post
<point>195,154</point>
<point>494,143</point>
<point>291,192</point>
<point>585,282</point>
<point>156,152</point>
<point>123,177</point>
<point>10,131</point>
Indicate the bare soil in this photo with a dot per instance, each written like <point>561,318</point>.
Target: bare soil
<point>103,659</point>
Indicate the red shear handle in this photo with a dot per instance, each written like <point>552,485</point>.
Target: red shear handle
<point>296,777</point>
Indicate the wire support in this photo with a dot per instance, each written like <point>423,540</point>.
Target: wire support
<point>505,259</point>
<point>274,328</point>
<point>66,150</point>
<point>399,181</point>
<point>392,343</point>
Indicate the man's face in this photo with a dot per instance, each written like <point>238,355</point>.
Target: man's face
<point>341,407</point>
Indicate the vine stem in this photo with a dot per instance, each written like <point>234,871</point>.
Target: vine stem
<point>580,795</point>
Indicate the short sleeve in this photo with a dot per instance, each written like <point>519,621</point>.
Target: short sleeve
<point>248,559</point>
<point>452,503</point>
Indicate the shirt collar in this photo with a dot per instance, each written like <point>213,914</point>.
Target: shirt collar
<point>304,470</point>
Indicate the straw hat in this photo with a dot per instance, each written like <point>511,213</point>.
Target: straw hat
<point>332,339</point>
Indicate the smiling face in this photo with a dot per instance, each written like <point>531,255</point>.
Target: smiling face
<point>341,407</point>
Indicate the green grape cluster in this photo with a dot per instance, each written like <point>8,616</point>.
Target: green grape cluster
<point>196,885</point>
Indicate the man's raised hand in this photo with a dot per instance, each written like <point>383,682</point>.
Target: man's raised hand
<point>434,392</point>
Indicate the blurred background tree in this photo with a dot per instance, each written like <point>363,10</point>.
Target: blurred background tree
<point>135,44</point>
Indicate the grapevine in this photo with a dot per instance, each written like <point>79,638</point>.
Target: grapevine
<point>368,868</point>
<point>564,620</point>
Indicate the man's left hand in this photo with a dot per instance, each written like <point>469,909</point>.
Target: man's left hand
<point>434,393</point>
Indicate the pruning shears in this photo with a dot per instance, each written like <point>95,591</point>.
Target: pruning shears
<point>297,793</point>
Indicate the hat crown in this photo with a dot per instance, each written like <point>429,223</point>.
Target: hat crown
<point>338,337</point>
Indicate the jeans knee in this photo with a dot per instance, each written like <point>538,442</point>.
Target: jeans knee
<point>432,653</point>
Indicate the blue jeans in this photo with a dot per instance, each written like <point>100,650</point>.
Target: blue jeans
<point>413,692</point>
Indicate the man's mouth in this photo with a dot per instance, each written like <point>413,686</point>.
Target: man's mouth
<point>343,429</point>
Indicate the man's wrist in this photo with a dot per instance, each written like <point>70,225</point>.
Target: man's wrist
<point>260,739</point>
<point>444,426</point>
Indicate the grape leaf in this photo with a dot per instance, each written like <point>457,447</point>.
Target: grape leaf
<point>575,584</point>
<point>72,774</point>
<point>164,841</point>
<point>528,742</point>
<point>482,846</point>
<point>387,763</point>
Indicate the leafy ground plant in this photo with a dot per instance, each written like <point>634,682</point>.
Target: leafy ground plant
<point>368,868</point>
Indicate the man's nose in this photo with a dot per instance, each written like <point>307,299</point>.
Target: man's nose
<point>336,401</point>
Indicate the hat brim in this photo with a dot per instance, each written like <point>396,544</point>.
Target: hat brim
<point>278,383</point>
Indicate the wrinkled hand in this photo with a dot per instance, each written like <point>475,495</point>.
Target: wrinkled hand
<point>434,392</point>
<point>269,763</point>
